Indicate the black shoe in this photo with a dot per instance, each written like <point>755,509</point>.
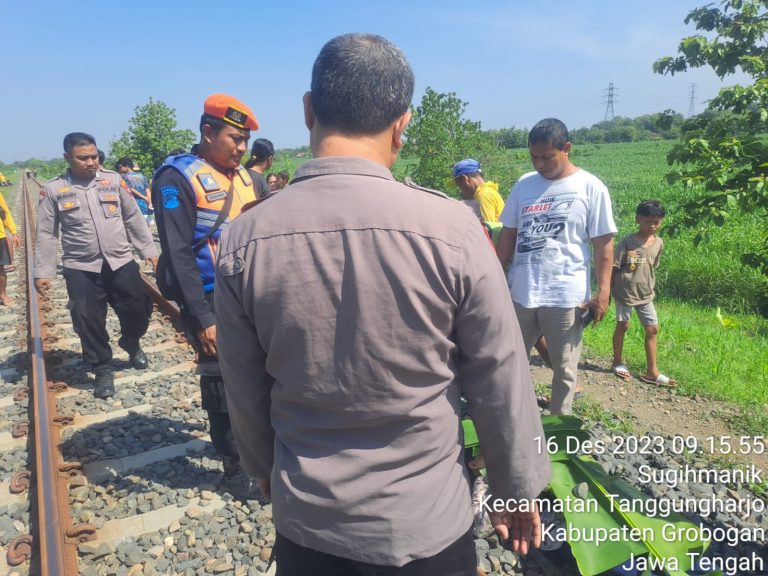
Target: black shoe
<point>237,482</point>
<point>139,359</point>
<point>104,385</point>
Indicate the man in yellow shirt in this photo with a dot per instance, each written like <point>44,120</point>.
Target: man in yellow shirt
<point>5,248</point>
<point>481,195</point>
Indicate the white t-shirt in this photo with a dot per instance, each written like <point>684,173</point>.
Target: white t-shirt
<point>555,220</point>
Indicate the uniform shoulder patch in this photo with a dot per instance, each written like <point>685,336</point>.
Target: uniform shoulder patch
<point>170,197</point>
<point>411,184</point>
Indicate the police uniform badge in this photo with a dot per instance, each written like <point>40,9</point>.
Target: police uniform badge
<point>235,116</point>
<point>208,182</point>
<point>111,208</point>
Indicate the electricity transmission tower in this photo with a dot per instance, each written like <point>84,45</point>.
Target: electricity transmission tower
<point>609,100</point>
<point>691,111</point>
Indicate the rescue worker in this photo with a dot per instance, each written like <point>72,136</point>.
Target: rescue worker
<point>98,220</point>
<point>6,248</point>
<point>195,197</point>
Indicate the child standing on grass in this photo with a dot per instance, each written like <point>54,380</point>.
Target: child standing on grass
<point>634,279</point>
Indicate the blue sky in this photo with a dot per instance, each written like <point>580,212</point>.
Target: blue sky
<point>84,65</point>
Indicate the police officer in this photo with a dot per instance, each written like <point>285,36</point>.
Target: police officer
<point>99,221</point>
<point>195,197</point>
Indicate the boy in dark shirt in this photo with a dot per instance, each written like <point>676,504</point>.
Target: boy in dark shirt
<point>637,257</point>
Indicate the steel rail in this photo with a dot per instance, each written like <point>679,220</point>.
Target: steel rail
<point>57,556</point>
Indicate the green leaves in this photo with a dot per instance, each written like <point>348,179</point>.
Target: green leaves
<point>151,135</point>
<point>725,150</point>
<point>612,509</point>
<point>439,136</point>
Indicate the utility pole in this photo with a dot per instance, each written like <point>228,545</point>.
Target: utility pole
<point>691,111</point>
<point>609,100</point>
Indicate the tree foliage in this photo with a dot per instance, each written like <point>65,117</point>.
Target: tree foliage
<point>439,136</point>
<point>724,151</point>
<point>151,134</point>
<point>510,137</point>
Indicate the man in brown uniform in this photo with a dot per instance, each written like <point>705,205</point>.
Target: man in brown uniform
<point>345,355</point>
<point>99,221</point>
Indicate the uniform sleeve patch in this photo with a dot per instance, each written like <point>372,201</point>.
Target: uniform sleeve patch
<point>232,264</point>
<point>170,197</point>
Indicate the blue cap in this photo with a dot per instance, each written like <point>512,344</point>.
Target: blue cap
<point>468,166</point>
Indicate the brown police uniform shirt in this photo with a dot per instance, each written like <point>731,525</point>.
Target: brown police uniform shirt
<point>634,281</point>
<point>352,312</point>
<point>97,222</point>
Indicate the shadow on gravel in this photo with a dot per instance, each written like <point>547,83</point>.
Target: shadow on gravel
<point>141,463</point>
<point>128,436</point>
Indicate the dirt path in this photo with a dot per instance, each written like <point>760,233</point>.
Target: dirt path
<point>654,410</point>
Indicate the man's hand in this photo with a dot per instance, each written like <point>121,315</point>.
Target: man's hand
<point>153,262</point>
<point>42,285</point>
<point>16,241</point>
<point>600,305</point>
<point>602,247</point>
<point>522,528</point>
<point>207,338</point>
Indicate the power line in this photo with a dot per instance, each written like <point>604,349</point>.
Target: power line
<point>691,111</point>
<point>610,99</point>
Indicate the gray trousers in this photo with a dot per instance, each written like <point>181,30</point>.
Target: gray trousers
<point>562,328</point>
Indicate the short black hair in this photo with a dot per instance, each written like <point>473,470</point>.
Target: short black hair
<point>124,161</point>
<point>215,123</point>
<point>361,83</point>
<point>77,139</point>
<point>549,131</point>
<point>262,149</point>
<point>283,176</point>
<point>652,208</point>
<point>102,156</point>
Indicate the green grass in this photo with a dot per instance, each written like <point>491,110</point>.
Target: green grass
<point>593,411</point>
<point>723,360</point>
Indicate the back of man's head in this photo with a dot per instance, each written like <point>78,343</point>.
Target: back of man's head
<point>549,131</point>
<point>262,149</point>
<point>124,162</point>
<point>361,84</point>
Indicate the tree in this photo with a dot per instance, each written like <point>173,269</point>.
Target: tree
<point>150,136</point>
<point>510,137</point>
<point>439,136</point>
<point>724,151</point>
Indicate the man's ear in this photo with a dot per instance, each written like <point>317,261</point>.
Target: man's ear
<point>309,114</point>
<point>207,133</point>
<point>66,157</point>
<point>398,128</point>
<point>567,147</point>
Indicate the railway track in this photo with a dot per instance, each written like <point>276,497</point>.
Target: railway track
<point>126,485</point>
<point>129,485</point>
